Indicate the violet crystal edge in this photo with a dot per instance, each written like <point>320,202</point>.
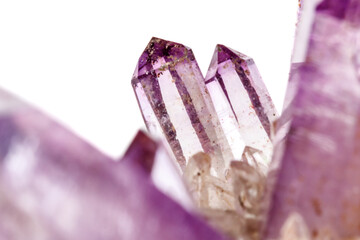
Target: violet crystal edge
<point>53,185</point>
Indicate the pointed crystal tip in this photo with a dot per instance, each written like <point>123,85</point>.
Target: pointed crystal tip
<point>225,53</point>
<point>160,48</point>
<point>141,152</point>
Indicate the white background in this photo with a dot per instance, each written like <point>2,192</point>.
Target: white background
<point>74,59</point>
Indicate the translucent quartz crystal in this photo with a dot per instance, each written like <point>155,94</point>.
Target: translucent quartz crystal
<point>234,205</point>
<point>176,104</point>
<point>53,185</point>
<point>208,191</point>
<point>254,157</point>
<point>236,78</point>
<point>249,187</point>
<point>318,175</point>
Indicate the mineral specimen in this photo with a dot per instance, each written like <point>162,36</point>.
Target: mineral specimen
<point>55,186</point>
<point>208,123</point>
<point>243,90</point>
<point>176,104</point>
<point>316,188</point>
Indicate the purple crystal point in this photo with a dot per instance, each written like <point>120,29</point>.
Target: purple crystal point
<point>151,208</point>
<point>246,95</point>
<point>317,182</point>
<point>176,104</point>
<point>152,157</point>
<point>55,186</point>
<point>143,157</point>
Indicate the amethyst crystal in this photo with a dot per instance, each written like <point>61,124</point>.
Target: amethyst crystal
<point>176,104</point>
<point>316,188</point>
<point>55,186</point>
<point>207,124</point>
<point>240,83</point>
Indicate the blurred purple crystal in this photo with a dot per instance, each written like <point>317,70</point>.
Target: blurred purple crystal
<point>235,76</point>
<point>316,191</point>
<point>55,186</point>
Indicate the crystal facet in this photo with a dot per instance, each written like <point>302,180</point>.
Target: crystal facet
<point>318,176</point>
<point>238,78</point>
<point>55,186</point>
<point>176,104</point>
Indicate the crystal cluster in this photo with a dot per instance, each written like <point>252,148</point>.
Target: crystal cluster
<point>212,172</point>
<point>194,115</point>
<point>218,128</point>
<point>174,101</point>
<point>311,188</point>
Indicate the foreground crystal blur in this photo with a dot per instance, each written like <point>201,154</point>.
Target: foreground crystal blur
<point>316,182</point>
<point>55,186</point>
